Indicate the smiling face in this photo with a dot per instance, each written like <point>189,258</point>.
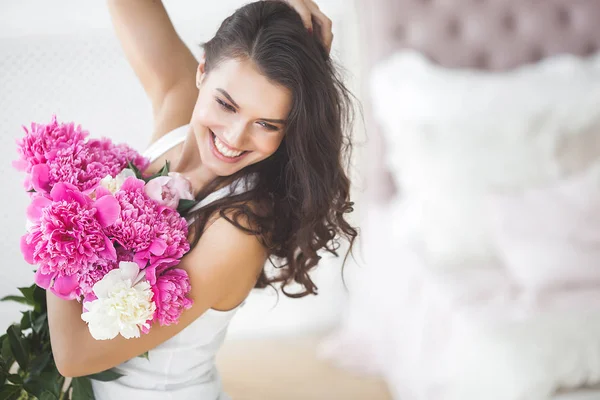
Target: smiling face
<point>239,117</point>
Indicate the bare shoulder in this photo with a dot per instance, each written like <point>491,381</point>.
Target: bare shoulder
<point>226,260</point>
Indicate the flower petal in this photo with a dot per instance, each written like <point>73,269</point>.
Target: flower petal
<point>132,183</point>
<point>20,165</point>
<point>27,249</point>
<point>101,191</point>
<point>158,247</point>
<point>65,287</point>
<point>108,210</point>
<point>65,191</point>
<point>34,210</point>
<point>43,280</point>
<point>151,274</point>
<point>103,286</point>
<point>130,331</point>
<point>141,258</point>
<point>109,252</point>
<point>129,270</point>
<point>40,178</point>
<point>154,188</point>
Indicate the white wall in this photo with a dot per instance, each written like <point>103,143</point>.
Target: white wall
<point>61,57</point>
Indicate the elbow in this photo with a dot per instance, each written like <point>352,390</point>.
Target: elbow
<point>77,365</point>
<point>65,367</point>
<point>68,365</point>
<point>70,371</point>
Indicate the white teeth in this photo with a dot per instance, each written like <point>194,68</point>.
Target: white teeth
<point>224,150</point>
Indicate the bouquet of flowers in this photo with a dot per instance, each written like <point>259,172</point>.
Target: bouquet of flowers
<point>101,232</point>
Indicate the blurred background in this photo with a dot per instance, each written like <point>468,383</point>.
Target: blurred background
<point>477,185</point>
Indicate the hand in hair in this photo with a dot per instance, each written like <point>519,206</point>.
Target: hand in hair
<point>311,14</point>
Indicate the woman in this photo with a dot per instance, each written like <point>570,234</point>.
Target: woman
<point>259,127</point>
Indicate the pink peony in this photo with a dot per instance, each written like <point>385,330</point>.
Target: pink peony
<point>155,235</point>
<point>43,142</point>
<point>88,163</point>
<point>170,293</point>
<point>134,227</point>
<point>168,190</point>
<point>60,153</point>
<point>67,236</point>
<point>172,231</point>
<point>110,159</point>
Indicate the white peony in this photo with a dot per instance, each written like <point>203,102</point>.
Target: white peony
<point>114,184</point>
<point>124,303</point>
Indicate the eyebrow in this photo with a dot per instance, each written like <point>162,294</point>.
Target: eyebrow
<point>224,93</point>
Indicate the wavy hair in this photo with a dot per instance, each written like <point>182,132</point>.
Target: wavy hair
<point>301,195</point>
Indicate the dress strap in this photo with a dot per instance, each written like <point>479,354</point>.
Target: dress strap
<point>239,186</point>
<point>166,142</point>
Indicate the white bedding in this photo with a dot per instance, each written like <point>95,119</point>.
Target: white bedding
<point>435,311</point>
<point>589,394</point>
<point>465,334</point>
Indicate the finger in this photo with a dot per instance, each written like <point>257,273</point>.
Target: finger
<point>324,22</point>
<point>302,9</point>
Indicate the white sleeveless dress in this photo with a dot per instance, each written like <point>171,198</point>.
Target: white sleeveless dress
<point>183,367</point>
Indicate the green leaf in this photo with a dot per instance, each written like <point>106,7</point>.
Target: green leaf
<point>106,376</point>
<point>15,378</point>
<point>136,171</point>
<point>6,352</point>
<point>144,355</point>
<point>164,171</point>
<point>51,380</point>
<point>82,389</point>
<point>26,320</point>
<point>46,395</point>
<point>18,299</point>
<point>39,297</point>
<point>39,322</point>
<point>18,346</point>
<point>10,392</point>
<point>28,293</point>
<point>31,191</point>
<point>39,363</point>
<point>36,386</point>
<point>185,205</point>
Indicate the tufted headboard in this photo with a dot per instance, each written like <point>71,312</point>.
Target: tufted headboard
<point>482,34</point>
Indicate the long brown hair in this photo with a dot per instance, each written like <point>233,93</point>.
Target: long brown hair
<point>301,193</point>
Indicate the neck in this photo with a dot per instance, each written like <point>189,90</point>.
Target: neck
<point>190,165</point>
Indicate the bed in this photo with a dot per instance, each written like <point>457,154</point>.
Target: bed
<point>404,324</point>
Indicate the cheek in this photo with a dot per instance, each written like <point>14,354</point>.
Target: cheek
<point>268,145</point>
<point>202,115</point>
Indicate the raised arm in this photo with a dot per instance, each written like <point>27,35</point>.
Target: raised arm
<point>164,65</point>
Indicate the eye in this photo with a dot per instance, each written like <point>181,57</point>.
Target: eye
<point>268,126</point>
<point>227,107</point>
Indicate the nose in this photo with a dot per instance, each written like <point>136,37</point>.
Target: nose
<point>235,135</point>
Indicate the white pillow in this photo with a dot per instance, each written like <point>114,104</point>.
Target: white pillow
<point>452,135</point>
<point>550,236</point>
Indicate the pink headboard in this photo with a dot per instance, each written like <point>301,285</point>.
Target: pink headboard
<point>481,34</point>
<point>484,34</point>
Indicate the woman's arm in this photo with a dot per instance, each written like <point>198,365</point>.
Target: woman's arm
<point>223,268</point>
<point>164,65</point>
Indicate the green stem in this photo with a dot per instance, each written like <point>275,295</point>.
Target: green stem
<point>64,395</point>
